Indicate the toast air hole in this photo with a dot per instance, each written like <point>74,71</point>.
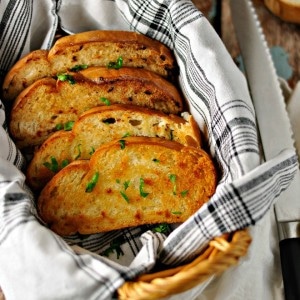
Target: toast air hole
<point>162,57</point>
<point>135,122</point>
<point>109,121</point>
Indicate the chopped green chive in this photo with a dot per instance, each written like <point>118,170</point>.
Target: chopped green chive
<point>79,151</point>
<point>162,228</point>
<point>66,77</point>
<point>142,192</point>
<point>59,126</point>
<point>127,134</point>
<point>122,144</point>
<point>184,193</point>
<point>126,184</point>
<point>124,196</point>
<point>92,151</point>
<point>176,212</point>
<point>52,165</point>
<point>64,163</point>
<point>172,178</point>
<point>68,125</point>
<point>77,68</point>
<point>105,101</point>
<point>155,160</point>
<point>115,246</point>
<point>116,64</point>
<point>90,185</point>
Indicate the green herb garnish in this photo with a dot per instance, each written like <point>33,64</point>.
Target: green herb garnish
<point>92,151</point>
<point>115,246</point>
<point>176,212</point>
<point>68,125</point>
<point>66,77</point>
<point>105,101</point>
<point>52,165</point>
<point>142,192</point>
<point>77,68</point>
<point>162,228</point>
<point>64,163</point>
<point>127,134</point>
<point>59,126</point>
<point>90,186</point>
<point>79,151</point>
<point>184,193</point>
<point>124,196</point>
<point>122,144</point>
<point>155,160</point>
<point>116,64</point>
<point>126,184</point>
<point>172,178</point>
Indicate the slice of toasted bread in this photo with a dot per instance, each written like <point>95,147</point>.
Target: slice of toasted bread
<point>92,48</point>
<point>47,102</point>
<point>287,10</point>
<point>128,182</point>
<point>101,125</point>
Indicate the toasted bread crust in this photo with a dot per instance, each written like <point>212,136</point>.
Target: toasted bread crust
<point>149,180</point>
<point>47,102</point>
<point>100,74</point>
<point>93,48</point>
<point>287,10</point>
<point>101,125</point>
<point>22,75</point>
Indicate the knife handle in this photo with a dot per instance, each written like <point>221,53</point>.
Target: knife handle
<point>290,265</point>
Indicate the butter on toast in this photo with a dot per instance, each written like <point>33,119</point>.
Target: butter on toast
<point>101,125</point>
<point>48,102</point>
<point>128,182</point>
<point>91,48</point>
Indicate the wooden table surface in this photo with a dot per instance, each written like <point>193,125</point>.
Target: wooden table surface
<point>283,38</point>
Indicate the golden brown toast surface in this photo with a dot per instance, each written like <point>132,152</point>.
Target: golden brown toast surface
<point>128,182</point>
<point>49,102</point>
<point>92,48</point>
<point>101,125</point>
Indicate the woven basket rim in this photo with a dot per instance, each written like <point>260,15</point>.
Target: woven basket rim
<point>221,253</point>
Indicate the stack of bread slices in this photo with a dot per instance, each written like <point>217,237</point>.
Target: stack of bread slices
<point>111,144</point>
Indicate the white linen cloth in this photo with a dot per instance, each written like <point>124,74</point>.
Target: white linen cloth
<point>37,264</point>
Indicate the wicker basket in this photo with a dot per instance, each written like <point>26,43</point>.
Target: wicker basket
<point>222,252</point>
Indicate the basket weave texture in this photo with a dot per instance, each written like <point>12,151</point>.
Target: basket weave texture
<point>221,253</point>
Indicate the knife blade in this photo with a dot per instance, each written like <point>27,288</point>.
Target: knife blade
<point>275,133</point>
